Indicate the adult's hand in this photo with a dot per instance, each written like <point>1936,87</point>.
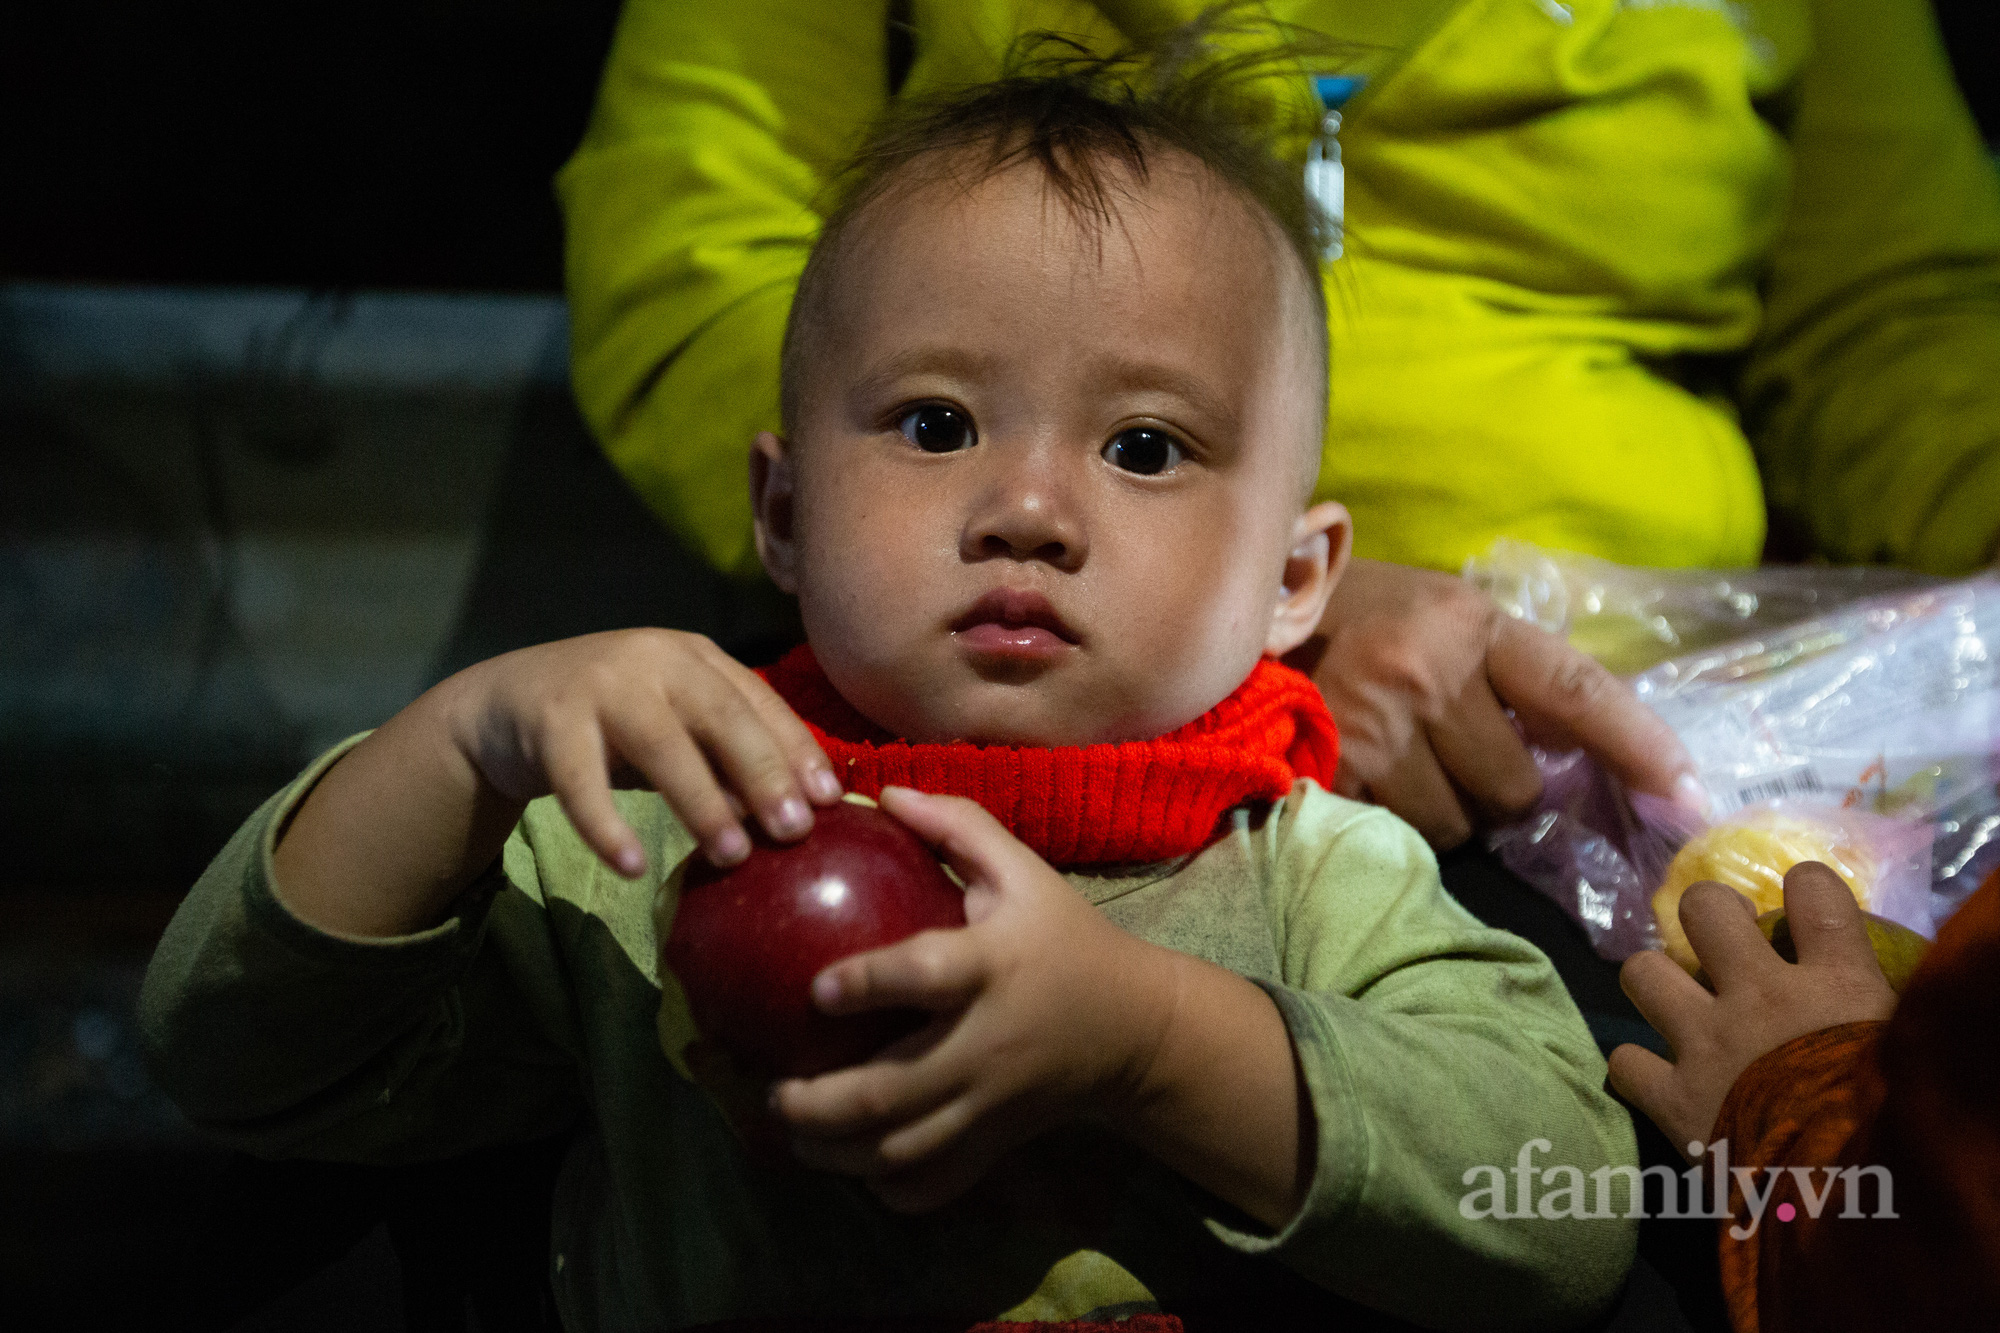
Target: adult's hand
<point>1420,670</point>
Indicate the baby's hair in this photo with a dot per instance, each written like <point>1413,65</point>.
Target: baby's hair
<point>1073,112</point>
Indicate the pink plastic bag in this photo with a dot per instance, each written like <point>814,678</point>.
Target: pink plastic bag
<point>1601,853</point>
<point>1879,717</point>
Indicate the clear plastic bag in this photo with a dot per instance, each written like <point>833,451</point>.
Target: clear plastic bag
<point>1881,720</point>
<point>1631,618</point>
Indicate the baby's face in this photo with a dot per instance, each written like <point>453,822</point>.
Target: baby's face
<point>1046,487</point>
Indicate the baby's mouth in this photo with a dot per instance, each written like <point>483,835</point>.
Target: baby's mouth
<point>1014,623</point>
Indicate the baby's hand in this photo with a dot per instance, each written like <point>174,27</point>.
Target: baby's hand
<point>641,707</point>
<point>1760,1001</point>
<point>1044,1011</point>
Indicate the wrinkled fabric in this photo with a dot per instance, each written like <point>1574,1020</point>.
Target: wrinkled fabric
<point>1428,1043</point>
<point>1919,1096</point>
<point>1608,261</point>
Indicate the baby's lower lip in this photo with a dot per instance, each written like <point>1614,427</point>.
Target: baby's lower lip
<point>1024,641</point>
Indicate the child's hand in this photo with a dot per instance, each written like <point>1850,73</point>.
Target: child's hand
<point>1045,1011</point>
<point>1760,1000</point>
<point>641,708</point>
<point>392,834</point>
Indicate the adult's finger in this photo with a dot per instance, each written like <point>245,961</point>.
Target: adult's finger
<point>1724,936</point>
<point>1484,756</point>
<point>1565,697</point>
<point>1671,1000</point>
<point>1416,789</point>
<point>1826,921</point>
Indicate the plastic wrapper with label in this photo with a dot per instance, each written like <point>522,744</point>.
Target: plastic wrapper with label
<point>1864,736</point>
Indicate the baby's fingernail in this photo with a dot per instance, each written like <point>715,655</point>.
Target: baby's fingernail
<point>1690,795</point>
<point>730,846</point>
<point>826,989</point>
<point>791,817</point>
<point>631,862</point>
<point>823,785</point>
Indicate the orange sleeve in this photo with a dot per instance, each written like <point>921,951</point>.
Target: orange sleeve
<point>1919,1097</point>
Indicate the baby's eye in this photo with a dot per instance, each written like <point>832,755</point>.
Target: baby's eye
<point>1143,450</point>
<point>937,429</point>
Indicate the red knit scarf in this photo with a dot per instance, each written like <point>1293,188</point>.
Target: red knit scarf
<point>1078,805</point>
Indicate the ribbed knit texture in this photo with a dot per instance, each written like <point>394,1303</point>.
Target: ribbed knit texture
<point>1093,804</point>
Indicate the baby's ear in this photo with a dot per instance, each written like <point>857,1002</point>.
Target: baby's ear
<point>1321,540</point>
<point>772,484</point>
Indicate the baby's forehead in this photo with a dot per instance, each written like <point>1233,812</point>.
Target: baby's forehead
<point>1171,246</point>
<point>1169,205</point>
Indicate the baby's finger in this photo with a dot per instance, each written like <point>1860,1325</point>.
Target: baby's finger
<point>1723,933</point>
<point>971,841</point>
<point>661,749</point>
<point>1827,929</point>
<point>856,1156</point>
<point>938,970</point>
<point>864,1099</point>
<point>1649,1083</point>
<point>933,1183</point>
<point>931,1133</point>
<point>573,762</point>
<point>745,753</point>
<point>809,763</point>
<point>1671,1000</point>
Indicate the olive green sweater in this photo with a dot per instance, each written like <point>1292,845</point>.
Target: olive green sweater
<point>1429,1044</point>
<point>1608,261</point>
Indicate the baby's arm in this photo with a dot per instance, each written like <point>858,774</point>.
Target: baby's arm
<point>396,830</point>
<point>1472,1171</point>
<point>361,974</point>
<point>283,1040</point>
<point>1047,1012</point>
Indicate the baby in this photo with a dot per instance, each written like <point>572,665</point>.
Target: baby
<point>1213,1040</point>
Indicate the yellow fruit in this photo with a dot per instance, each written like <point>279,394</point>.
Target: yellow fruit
<point>1751,855</point>
<point>1897,948</point>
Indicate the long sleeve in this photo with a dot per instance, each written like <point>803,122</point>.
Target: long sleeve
<point>1912,1098</point>
<point>1437,1053</point>
<point>282,1039</point>
<point>1872,392</point>
<point>690,210</point>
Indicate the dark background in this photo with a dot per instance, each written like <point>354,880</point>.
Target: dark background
<point>364,144</point>
<point>296,143</point>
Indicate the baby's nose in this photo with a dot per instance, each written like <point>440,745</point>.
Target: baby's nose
<point>1028,520</point>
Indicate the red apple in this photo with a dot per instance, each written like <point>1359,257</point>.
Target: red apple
<point>747,941</point>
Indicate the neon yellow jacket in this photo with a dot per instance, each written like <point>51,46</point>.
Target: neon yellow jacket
<point>1608,261</point>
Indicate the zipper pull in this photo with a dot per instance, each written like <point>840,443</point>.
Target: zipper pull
<point>1326,180</point>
